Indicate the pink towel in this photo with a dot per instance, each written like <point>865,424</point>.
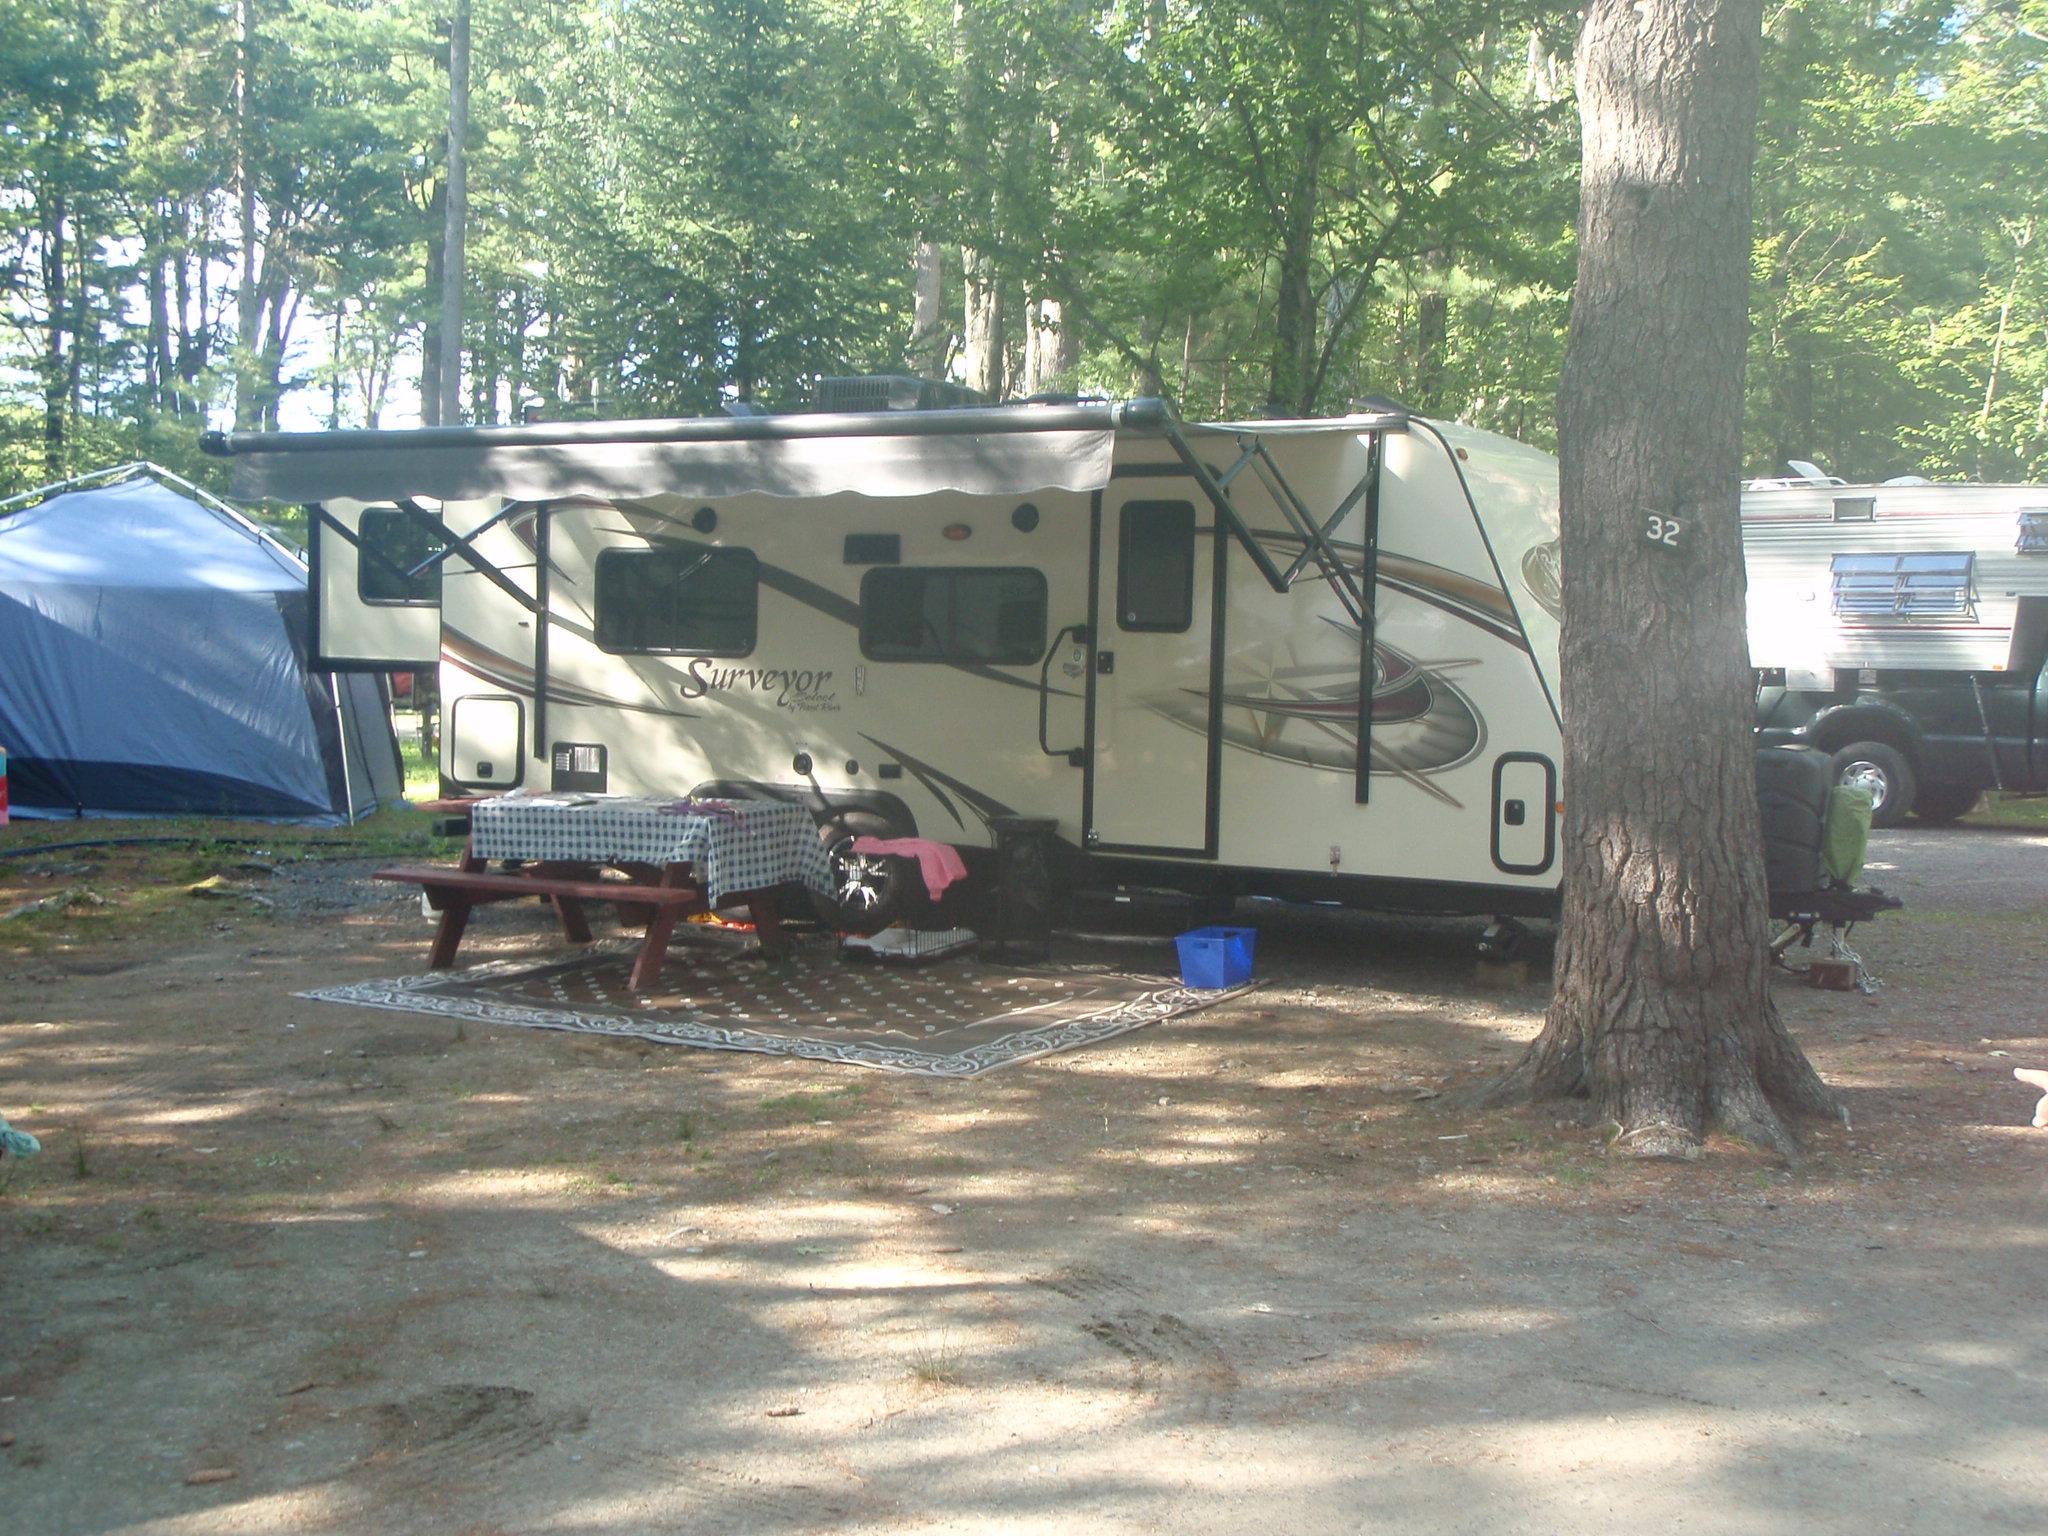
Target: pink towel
<point>940,862</point>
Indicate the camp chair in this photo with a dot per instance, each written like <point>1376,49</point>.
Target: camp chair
<point>1815,836</point>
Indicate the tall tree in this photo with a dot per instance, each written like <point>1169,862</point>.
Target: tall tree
<point>54,163</point>
<point>1253,182</point>
<point>1661,1013</point>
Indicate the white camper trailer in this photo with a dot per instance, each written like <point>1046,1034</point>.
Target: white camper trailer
<point>1310,659</point>
<point>1903,628</point>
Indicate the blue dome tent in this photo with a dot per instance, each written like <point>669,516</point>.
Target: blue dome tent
<point>154,662</point>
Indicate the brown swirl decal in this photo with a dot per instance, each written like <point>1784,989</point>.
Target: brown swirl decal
<point>1421,723</point>
<point>1543,575</point>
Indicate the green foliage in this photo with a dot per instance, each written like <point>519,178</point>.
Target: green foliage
<point>1899,301</point>
<point>677,204</point>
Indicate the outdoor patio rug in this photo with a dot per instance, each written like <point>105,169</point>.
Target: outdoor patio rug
<point>956,1017</point>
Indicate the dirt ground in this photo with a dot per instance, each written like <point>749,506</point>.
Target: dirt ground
<point>295,1267</point>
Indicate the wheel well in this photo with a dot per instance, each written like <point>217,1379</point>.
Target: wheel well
<point>880,811</point>
<point>1889,733</point>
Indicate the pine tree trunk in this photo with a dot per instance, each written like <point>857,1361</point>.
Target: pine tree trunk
<point>1050,353</point>
<point>987,325</point>
<point>430,328</point>
<point>1294,314</point>
<point>58,341</point>
<point>1662,1014</point>
<point>930,337</point>
<point>162,389</point>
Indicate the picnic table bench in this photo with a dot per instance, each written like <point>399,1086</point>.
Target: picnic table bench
<point>683,880</point>
<point>457,891</point>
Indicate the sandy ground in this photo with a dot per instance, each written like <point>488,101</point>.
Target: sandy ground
<point>1240,1273</point>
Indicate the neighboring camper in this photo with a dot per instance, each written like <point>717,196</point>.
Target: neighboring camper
<point>1903,629</point>
<point>1311,659</point>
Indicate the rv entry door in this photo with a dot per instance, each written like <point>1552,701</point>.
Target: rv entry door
<point>1157,663</point>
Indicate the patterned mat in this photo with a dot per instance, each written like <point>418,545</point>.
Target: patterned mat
<point>957,1017</point>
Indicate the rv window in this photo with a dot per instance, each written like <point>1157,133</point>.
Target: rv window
<point>911,613</point>
<point>389,544</point>
<point>1155,566</point>
<point>1905,586</point>
<point>680,599</point>
<point>2033,531</point>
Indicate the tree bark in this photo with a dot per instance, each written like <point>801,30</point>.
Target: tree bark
<point>162,389</point>
<point>1291,390</point>
<point>430,328</point>
<point>247,298</point>
<point>1432,339</point>
<point>59,342</point>
<point>453,259</point>
<point>1050,352</point>
<point>930,337</point>
<point>987,324</point>
<point>1662,1015</point>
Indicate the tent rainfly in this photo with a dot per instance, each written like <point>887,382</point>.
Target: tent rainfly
<point>153,662</point>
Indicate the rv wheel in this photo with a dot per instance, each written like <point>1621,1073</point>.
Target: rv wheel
<point>870,890</point>
<point>1884,772</point>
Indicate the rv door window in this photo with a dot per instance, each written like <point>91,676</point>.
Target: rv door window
<point>912,613</point>
<point>1905,586</point>
<point>1155,568</point>
<point>680,599</point>
<point>388,545</point>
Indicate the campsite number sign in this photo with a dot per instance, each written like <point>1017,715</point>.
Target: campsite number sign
<point>1663,531</point>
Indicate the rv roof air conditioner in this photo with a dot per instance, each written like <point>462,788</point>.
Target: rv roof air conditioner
<point>892,392</point>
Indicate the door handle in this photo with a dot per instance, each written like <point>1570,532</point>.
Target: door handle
<point>1081,635</point>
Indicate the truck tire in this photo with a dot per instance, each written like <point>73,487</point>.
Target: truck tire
<point>1883,771</point>
<point>1941,804</point>
<point>1791,793</point>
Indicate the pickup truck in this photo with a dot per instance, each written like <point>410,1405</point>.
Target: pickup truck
<point>1926,744</point>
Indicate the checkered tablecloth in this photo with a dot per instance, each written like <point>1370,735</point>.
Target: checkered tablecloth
<point>759,844</point>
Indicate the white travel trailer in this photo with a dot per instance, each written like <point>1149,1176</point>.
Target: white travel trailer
<point>1903,628</point>
<point>1309,659</point>
<point>1890,577</point>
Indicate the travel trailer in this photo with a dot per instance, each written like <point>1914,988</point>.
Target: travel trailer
<point>1309,659</point>
<point>1903,629</point>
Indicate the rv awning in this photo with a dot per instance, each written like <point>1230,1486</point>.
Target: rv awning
<point>981,452</point>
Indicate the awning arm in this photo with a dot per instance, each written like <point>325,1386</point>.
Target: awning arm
<point>464,545</point>
<point>1219,497</point>
<point>1315,537</point>
<point>1317,548</point>
<point>451,544</point>
<point>1344,507</point>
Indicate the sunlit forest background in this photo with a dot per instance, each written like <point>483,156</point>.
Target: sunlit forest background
<point>233,213</point>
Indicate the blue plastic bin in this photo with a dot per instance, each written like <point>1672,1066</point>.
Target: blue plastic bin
<point>1213,958</point>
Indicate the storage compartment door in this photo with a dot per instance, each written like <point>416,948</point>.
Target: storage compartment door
<point>1524,813</point>
<point>485,748</point>
<point>374,608</point>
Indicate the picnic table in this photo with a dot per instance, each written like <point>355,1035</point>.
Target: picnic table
<point>655,859</point>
